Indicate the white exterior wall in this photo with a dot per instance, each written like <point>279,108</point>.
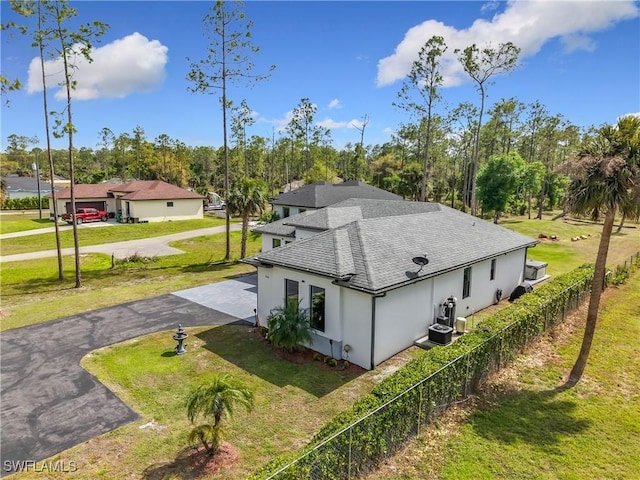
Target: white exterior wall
<point>157,210</point>
<point>347,312</point>
<point>302,233</point>
<point>509,273</point>
<point>402,316</point>
<point>271,294</point>
<point>267,241</point>
<point>355,313</point>
<point>279,209</point>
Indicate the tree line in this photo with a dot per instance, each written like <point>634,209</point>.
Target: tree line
<point>539,141</point>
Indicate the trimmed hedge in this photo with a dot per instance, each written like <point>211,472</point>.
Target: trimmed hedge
<point>25,203</point>
<point>378,424</point>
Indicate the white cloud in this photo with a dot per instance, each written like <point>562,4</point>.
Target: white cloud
<point>335,103</point>
<point>528,24</point>
<point>332,124</point>
<point>489,6</point>
<point>132,64</point>
<point>631,114</point>
<point>335,124</point>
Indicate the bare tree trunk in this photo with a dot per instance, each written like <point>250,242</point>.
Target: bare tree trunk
<point>49,154</point>
<point>476,155</point>
<point>621,223</point>
<point>245,227</point>
<point>561,214</point>
<point>594,301</point>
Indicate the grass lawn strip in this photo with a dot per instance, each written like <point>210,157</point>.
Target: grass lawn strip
<point>521,426</point>
<point>97,236</point>
<point>12,223</point>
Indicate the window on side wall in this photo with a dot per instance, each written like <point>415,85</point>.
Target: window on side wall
<point>276,242</point>
<point>466,282</point>
<point>317,307</point>
<point>493,269</point>
<point>285,212</point>
<point>169,204</point>
<point>291,292</point>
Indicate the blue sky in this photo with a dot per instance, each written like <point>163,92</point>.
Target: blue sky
<point>579,58</point>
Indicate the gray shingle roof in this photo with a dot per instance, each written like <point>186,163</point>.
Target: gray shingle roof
<point>322,194</point>
<point>30,184</point>
<point>281,227</point>
<point>379,251</point>
<point>344,212</point>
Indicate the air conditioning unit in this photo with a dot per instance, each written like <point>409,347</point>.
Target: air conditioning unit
<point>534,270</point>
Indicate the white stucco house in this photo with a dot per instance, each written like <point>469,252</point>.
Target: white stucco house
<point>353,266</point>
<point>137,201</point>
<point>322,194</point>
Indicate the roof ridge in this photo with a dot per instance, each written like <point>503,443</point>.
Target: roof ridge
<point>366,264</point>
<point>341,242</point>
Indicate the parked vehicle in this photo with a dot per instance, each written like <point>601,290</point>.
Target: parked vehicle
<point>85,215</point>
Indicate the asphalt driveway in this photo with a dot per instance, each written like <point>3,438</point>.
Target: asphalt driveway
<point>50,403</point>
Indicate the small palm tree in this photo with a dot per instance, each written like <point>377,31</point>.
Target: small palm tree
<point>214,401</point>
<point>289,327</point>
<point>247,197</point>
<point>606,181</point>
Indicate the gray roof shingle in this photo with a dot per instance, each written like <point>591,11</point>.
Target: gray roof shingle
<point>378,252</point>
<point>344,212</point>
<point>323,194</point>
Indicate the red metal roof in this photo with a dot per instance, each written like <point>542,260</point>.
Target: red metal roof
<point>137,190</point>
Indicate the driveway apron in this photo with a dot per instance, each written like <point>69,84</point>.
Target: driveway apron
<point>49,402</point>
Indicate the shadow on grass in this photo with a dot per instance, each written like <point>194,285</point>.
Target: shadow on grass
<point>539,419</point>
<point>242,347</point>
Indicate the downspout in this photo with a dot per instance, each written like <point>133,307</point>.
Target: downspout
<point>373,327</point>
<point>524,267</point>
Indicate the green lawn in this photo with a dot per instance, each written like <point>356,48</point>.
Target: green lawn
<point>96,236</point>
<point>19,222</point>
<point>526,428</point>
<point>32,294</point>
<point>565,254</point>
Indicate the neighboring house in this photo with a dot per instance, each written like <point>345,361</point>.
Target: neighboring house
<point>138,201</point>
<point>359,280</point>
<point>23,187</point>
<point>322,194</point>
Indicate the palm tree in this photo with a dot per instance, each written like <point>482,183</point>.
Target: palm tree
<point>606,182</point>
<point>289,327</point>
<point>215,401</point>
<point>247,197</point>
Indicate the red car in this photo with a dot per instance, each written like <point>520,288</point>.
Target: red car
<point>86,215</point>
